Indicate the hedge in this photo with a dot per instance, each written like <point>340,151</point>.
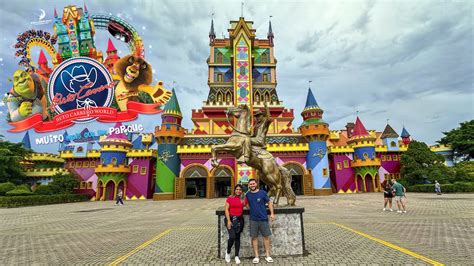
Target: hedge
<point>5,187</point>
<point>18,192</point>
<point>445,188</point>
<point>20,201</point>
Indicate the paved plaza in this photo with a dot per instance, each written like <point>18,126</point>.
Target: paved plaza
<point>339,229</point>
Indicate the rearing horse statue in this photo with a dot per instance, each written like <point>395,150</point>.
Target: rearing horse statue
<point>276,177</point>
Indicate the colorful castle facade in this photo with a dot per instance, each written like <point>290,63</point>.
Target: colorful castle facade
<point>174,162</point>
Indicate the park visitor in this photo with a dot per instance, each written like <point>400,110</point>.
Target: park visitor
<point>437,187</point>
<point>119,197</point>
<point>387,195</point>
<point>399,195</point>
<point>234,220</point>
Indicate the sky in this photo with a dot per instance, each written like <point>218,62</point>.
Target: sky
<point>406,62</point>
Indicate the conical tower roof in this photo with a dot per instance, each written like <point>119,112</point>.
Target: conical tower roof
<point>111,46</point>
<point>311,101</point>
<point>388,132</point>
<point>172,106</point>
<point>359,129</point>
<point>405,133</point>
<point>26,140</point>
<point>42,58</point>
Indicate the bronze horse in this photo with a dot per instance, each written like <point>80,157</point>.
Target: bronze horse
<point>276,177</point>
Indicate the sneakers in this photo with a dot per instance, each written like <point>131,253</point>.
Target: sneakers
<point>404,211</point>
<point>391,210</point>
<point>227,257</point>
<point>399,211</point>
<point>269,259</point>
<point>255,260</point>
<point>384,209</point>
<point>237,260</point>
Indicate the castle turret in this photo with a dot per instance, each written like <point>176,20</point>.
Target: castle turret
<point>316,132</point>
<point>113,168</point>
<point>405,136</point>
<point>390,138</point>
<point>112,56</point>
<point>365,162</point>
<point>168,163</point>
<point>212,34</point>
<point>270,35</point>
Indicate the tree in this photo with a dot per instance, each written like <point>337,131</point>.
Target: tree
<point>63,183</point>
<point>419,164</point>
<point>11,154</point>
<point>462,140</point>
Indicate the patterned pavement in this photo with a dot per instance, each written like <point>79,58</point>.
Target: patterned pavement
<point>440,228</point>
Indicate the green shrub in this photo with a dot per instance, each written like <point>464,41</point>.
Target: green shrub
<point>24,187</point>
<point>18,192</point>
<point>445,188</point>
<point>32,200</point>
<point>5,187</point>
<point>44,190</point>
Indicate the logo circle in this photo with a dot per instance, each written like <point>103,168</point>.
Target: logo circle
<point>76,83</point>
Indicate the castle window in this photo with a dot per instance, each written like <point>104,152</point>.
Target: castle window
<point>219,96</point>
<point>114,161</point>
<point>82,185</point>
<point>219,57</point>
<point>86,164</point>
<point>229,97</point>
<point>389,158</point>
<point>265,77</point>
<point>124,161</point>
<point>383,157</point>
<point>78,164</point>
<point>346,163</point>
<point>325,172</point>
<point>338,166</point>
<point>80,149</point>
<point>220,77</point>
<point>135,169</point>
<point>395,157</point>
<point>89,185</point>
<point>71,164</point>
<point>264,58</point>
<point>356,157</point>
<point>143,171</point>
<point>257,96</point>
<point>102,160</point>
<point>267,96</point>
<point>92,164</point>
<point>393,144</point>
<point>373,155</point>
<point>366,155</point>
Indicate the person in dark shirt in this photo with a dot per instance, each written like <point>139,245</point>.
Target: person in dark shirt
<point>256,200</point>
<point>387,195</point>
<point>234,209</point>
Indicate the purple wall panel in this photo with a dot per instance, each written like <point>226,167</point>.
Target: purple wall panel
<point>137,184</point>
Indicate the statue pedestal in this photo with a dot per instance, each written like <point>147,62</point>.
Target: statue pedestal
<point>287,234</point>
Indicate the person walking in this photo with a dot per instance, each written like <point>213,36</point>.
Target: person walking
<point>387,195</point>
<point>234,220</point>
<point>119,197</point>
<point>256,199</point>
<point>399,195</point>
<point>437,187</point>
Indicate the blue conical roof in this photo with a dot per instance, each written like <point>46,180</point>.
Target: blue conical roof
<point>26,140</point>
<point>310,101</point>
<point>405,133</point>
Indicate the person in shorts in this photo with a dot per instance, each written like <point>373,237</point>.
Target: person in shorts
<point>387,195</point>
<point>399,195</point>
<point>256,200</point>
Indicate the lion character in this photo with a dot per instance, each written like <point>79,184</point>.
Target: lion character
<point>27,97</point>
<point>134,75</point>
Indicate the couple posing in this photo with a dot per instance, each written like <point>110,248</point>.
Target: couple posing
<point>256,201</point>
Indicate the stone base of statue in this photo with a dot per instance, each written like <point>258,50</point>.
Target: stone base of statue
<point>287,237</point>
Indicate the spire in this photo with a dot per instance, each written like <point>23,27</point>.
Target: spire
<point>388,132</point>
<point>359,129</point>
<point>311,101</point>
<point>212,34</point>
<point>42,59</point>
<point>26,140</point>
<point>405,133</point>
<point>85,7</point>
<point>110,46</point>
<point>55,13</point>
<point>172,106</point>
<point>270,31</point>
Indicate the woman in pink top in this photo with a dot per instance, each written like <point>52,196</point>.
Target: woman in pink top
<point>234,220</point>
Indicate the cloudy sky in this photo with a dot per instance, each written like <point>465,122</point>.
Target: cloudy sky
<point>407,61</point>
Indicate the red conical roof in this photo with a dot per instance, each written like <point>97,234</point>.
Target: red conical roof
<point>110,46</point>
<point>359,129</point>
<point>42,59</point>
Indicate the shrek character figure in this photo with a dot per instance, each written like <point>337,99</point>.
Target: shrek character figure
<point>26,97</point>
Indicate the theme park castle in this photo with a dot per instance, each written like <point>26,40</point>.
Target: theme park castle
<point>174,162</point>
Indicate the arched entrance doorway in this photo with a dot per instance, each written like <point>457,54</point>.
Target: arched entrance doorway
<point>369,184</point>
<point>360,184</point>
<point>195,185</point>
<point>296,171</point>
<point>110,190</point>
<point>223,181</point>
<point>99,191</point>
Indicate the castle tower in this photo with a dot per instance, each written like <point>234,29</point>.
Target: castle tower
<point>405,136</point>
<point>316,132</point>
<point>64,47</point>
<point>212,34</point>
<point>43,69</point>
<point>168,163</point>
<point>365,162</point>
<point>112,56</point>
<point>390,138</point>
<point>113,168</point>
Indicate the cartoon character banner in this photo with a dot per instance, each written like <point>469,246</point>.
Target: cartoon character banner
<point>83,85</point>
